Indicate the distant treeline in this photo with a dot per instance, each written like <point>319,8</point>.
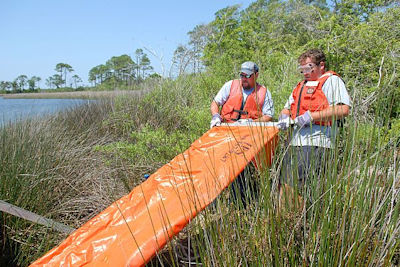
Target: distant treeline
<point>116,72</point>
<point>122,71</point>
<point>24,84</point>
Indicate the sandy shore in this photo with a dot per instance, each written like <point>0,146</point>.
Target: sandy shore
<point>79,94</point>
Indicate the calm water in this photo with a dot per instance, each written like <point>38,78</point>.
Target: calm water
<point>15,109</point>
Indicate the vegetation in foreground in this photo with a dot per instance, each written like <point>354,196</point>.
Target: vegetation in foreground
<point>71,166</point>
<point>81,161</point>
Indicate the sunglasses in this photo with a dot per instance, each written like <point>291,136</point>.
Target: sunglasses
<point>247,76</point>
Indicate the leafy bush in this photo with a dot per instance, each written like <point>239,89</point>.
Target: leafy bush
<point>149,145</point>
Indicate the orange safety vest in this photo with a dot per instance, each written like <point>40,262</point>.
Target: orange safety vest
<point>309,96</point>
<point>232,109</point>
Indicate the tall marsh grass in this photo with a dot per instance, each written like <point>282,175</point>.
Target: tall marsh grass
<point>352,219</point>
<point>48,166</point>
<point>71,166</point>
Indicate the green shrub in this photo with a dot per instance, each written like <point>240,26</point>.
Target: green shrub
<point>148,145</point>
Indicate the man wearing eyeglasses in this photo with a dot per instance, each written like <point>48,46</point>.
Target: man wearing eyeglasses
<point>242,99</point>
<point>314,106</point>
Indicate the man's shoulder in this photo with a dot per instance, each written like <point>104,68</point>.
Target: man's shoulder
<point>333,75</point>
<point>298,84</point>
<point>262,86</point>
<point>334,81</point>
<point>229,83</point>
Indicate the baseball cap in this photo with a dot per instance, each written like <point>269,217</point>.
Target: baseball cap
<point>249,67</point>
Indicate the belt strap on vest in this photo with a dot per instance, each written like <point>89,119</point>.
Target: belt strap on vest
<point>240,111</point>
<point>298,103</point>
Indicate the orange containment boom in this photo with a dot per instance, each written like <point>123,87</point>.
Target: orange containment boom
<point>134,228</point>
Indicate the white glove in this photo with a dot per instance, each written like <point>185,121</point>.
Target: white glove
<point>215,121</point>
<point>283,122</point>
<point>304,120</point>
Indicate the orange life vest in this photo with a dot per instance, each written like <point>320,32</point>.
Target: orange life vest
<point>309,96</point>
<point>232,109</point>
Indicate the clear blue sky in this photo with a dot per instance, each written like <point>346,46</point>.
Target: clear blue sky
<point>38,34</point>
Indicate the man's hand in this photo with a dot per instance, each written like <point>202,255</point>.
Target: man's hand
<point>215,121</point>
<point>283,121</point>
<point>304,120</point>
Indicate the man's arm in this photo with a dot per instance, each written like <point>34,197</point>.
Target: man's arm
<point>338,98</point>
<point>267,109</point>
<point>264,118</point>
<point>337,111</point>
<point>214,108</point>
<point>285,111</point>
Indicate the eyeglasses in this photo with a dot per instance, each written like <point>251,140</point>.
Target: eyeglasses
<point>306,68</point>
<point>246,75</point>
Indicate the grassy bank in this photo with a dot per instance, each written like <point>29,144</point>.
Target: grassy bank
<point>45,169</point>
<point>71,166</point>
<point>50,166</point>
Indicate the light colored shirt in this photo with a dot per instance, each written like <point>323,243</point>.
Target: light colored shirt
<point>223,94</point>
<point>318,135</point>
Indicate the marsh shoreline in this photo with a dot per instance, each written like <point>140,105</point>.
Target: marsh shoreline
<point>73,95</point>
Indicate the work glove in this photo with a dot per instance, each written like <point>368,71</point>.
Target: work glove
<point>304,120</point>
<point>215,121</point>
<point>283,122</point>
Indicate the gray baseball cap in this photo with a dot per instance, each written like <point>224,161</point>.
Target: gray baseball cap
<point>249,67</point>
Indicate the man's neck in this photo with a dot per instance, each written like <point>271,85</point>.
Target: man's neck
<point>248,90</point>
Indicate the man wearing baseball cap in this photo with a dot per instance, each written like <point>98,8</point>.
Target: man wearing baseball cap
<point>242,98</point>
